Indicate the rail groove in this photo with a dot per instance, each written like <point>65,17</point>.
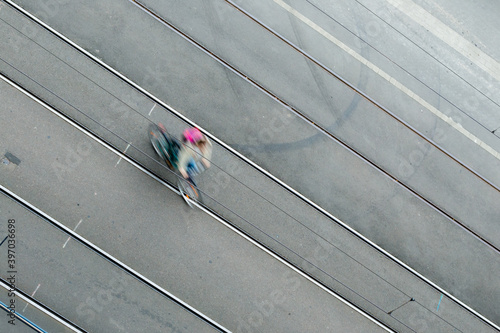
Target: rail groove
<point>243,158</point>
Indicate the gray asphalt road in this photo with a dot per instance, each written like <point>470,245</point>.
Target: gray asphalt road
<point>84,287</point>
<point>143,224</point>
<point>209,94</point>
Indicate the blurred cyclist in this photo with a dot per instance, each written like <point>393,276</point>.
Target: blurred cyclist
<point>195,148</point>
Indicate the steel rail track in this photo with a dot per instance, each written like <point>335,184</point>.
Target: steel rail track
<point>39,306</point>
<point>240,156</point>
<point>280,243</point>
<point>84,241</point>
<point>356,90</point>
<point>326,132</point>
<point>36,211</point>
<point>202,207</point>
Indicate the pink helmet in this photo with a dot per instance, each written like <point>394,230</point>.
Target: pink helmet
<point>192,135</point>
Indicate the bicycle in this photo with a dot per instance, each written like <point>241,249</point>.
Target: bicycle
<point>188,188</point>
<point>168,148</point>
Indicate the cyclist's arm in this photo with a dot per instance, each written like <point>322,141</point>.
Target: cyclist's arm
<point>183,172</point>
<point>207,154</point>
<point>205,162</point>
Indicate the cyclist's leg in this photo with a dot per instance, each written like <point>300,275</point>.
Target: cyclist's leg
<point>192,170</point>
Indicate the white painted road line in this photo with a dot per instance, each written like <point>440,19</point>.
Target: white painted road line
<point>106,255</point>
<point>32,296</point>
<point>38,307</point>
<point>67,240</point>
<point>202,208</point>
<point>448,36</point>
<point>389,78</point>
<point>225,146</point>
<point>150,111</point>
<point>123,153</point>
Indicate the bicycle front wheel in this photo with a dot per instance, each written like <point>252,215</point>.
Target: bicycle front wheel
<point>189,191</point>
